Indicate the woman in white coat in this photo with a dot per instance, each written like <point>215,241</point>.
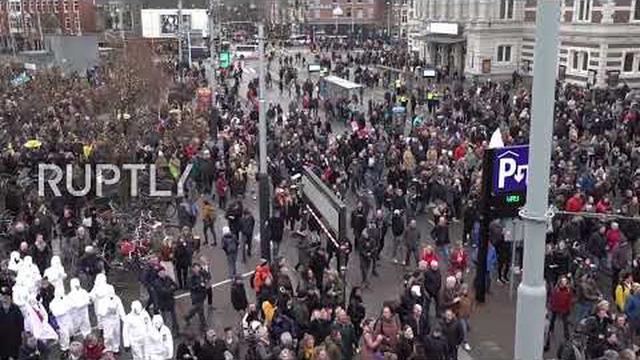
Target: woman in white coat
<point>56,273</point>
<point>159,341</point>
<point>112,313</point>
<point>60,308</point>
<point>134,331</point>
<point>100,291</point>
<point>78,299</point>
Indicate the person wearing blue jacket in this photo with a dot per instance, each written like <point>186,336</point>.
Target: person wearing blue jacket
<point>632,308</point>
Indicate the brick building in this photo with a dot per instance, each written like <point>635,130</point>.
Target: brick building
<point>27,21</point>
<point>358,16</point>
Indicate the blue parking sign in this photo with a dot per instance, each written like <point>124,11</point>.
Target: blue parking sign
<point>510,169</point>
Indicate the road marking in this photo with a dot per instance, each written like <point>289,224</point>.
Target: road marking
<point>250,70</point>
<point>218,284</point>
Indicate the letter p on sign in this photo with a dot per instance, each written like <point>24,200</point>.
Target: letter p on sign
<point>508,168</point>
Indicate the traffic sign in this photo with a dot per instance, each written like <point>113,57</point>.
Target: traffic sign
<point>510,165</point>
<point>225,59</point>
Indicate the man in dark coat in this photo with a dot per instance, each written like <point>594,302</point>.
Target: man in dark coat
<point>165,289</point>
<point>276,230</point>
<point>358,223</point>
<point>198,285</point>
<point>247,223</point>
<point>432,284</point>
<point>11,326</point>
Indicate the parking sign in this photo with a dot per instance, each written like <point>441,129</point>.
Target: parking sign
<point>510,170</point>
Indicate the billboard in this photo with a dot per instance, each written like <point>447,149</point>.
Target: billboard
<point>163,23</point>
<point>169,23</point>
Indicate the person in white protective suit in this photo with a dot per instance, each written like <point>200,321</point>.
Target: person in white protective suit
<point>29,273</point>
<point>134,330</point>
<point>14,261</point>
<point>78,299</point>
<point>61,309</point>
<point>20,294</point>
<point>56,273</point>
<point>159,340</point>
<point>36,321</point>
<point>112,313</point>
<point>100,291</point>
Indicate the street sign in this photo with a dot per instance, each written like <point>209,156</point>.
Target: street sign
<point>225,59</point>
<point>510,165</point>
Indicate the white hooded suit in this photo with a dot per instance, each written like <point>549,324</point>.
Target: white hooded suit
<point>134,330</point>
<point>61,309</point>
<point>14,261</point>
<point>112,313</point>
<point>29,274</point>
<point>159,341</point>
<point>56,273</point>
<point>79,300</point>
<point>100,291</point>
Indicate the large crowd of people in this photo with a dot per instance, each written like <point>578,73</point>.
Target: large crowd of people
<point>392,178</point>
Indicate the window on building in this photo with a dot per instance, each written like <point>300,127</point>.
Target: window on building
<point>67,24</point>
<point>636,10</point>
<point>347,13</point>
<point>65,5</point>
<point>404,18</point>
<point>583,10</point>
<point>76,6</point>
<point>506,9</point>
<point>579,60</point>
<point>627,64</point>
<point>504,53</point>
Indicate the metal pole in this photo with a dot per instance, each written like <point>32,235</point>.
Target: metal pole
<point>514,246</point>
<point>180,55</point>
<point>263,178</point>
<point>212,72</point>
<point>121,24</point>
<point>530,313</point>
<point>11,35</point>
<point>189,47</point>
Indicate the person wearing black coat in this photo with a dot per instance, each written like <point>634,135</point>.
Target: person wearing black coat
<point>436,346</point>
<point>276,231</point>
<point>188,349</point>
<point>198,283</point>
<point>211,348</point>
<point>165,289</point>
<point>238,295</point>
<point>432,285</point>
<point>358,222</point>
<point>183,256</point>
<point>247,223</point>
<point>453,333</point>
<point>11,326</point>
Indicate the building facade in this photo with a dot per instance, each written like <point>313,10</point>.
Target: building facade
<point>25,22</point>
<point>599,39</point>
<point>357,16</point>
<point>400,13</point>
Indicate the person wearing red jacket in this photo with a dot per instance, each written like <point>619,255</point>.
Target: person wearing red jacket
<point>613,236</point>
<point>560,303</point>
<point>603,206</point>
<point>575,203</point>
<point>263,271</point>
<point>429,255</point>
<point>459,259</point>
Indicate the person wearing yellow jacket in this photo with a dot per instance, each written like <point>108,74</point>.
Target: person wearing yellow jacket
<point>623,290</point>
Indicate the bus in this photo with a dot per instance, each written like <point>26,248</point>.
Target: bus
<point>246,51</point>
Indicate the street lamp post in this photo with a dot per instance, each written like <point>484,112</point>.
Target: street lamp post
<point>530,313</point>
<point>263,178</point>
<point>337,12</point>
